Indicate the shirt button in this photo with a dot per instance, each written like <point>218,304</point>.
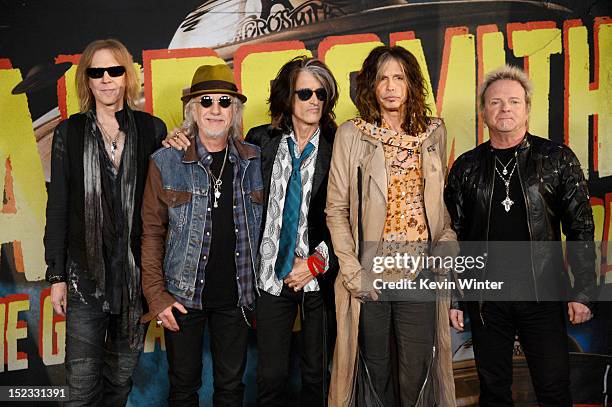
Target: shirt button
<point>234,206</point>
<point>202,281</point>
<point>208,209</point>
<point>237,254</point>
<point>207,233</point>
<point>236,230</point>
<point>403,193</point>
<point>204,257</point>
<point>402,216</point>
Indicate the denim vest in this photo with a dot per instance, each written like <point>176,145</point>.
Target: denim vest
<point>185,184</point>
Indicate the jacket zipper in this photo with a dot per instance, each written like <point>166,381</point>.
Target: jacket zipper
<point>491,186</point>
<point>526,199</point>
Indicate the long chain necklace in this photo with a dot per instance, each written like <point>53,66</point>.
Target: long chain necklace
<point>507,202</point>
<point>217,181</point>
<point>112,141</point>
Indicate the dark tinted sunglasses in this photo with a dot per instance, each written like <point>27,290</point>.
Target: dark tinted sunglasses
<point>306,94</point>
<point>97,73</point>
<point>224,101</point>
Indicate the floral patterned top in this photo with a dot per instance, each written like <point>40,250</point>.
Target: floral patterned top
<point>405,228</point>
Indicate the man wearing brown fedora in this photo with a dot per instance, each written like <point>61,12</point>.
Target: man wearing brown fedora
<point>201,217</point>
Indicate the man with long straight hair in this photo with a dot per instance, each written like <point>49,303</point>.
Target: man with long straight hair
<point>297,266</point>
<point>377,196</point>
<point>92,237</point>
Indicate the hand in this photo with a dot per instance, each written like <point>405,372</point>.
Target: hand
<point>456,319</point>
<point>167,318</point>
<point>176,139</point>
<point>578,313</point>
<point>300,274</point>
<point>364,296</point>
<point>58,298</point>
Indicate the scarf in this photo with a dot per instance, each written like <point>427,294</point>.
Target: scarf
<point>94,218</point>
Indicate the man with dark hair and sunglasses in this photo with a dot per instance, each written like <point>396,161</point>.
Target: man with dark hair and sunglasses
<point>92,237</point>
<point>297,266</point>
<point>201,219</point>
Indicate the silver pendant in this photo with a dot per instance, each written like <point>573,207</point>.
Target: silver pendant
<point>505,171</point>
<point>217,196</point>
<point>507,203</point>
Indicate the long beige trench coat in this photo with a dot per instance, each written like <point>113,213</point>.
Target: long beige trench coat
<point>356,152</point>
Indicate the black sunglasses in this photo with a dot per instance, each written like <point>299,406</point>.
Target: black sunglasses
<point>97,73</point>
<point>224,101</point>
<point>306,94</point>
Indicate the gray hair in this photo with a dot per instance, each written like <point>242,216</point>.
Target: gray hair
<point>190,126</point>
<point>506,72</point>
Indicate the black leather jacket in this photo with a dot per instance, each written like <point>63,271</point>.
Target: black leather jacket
<point>556,195</point>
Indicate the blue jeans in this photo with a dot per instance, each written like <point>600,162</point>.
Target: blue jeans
<point>99,362</point>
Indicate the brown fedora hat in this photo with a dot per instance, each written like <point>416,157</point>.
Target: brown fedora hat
<point>213,79</point>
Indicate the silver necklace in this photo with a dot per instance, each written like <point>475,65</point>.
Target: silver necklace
<point>505,170</point>
<point>507,202</point>
<point>217,181</point>
<point>112,141</point>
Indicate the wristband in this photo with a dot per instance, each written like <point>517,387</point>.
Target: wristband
<point>316,264</point>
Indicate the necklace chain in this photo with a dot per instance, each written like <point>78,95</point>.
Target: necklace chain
<point>217,181</point>
<point>507,202</point>
<point>111,140</point>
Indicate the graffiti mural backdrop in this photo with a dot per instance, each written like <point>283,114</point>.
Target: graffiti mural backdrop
<point>565,46</point>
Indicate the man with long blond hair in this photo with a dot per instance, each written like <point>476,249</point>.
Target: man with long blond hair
<point>378,205</point>
<point>92,237</point>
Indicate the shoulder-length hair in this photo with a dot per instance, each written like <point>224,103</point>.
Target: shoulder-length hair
<point>123,57</point>
<point>283,89</point>
<point>416,112</point>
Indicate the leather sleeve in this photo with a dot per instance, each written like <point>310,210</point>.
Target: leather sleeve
<point>58,207</point>
<point>578,226</point>
<point>154,229</point>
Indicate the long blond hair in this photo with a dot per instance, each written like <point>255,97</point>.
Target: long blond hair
<point>123,57</point>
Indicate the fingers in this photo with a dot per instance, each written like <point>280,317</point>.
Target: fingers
<point>456,318</point>
<point>180,307</point>
<point>59,309</point>
<point>578,313</point>
<point>177,140</point>
<point>59,298</point>
<point>168,320</point>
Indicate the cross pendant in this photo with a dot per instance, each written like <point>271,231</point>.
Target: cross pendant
<point>507,203</point>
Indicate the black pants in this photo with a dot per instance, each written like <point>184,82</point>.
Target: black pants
<point>413,325</point>
<point>228,341</point>
<point>99,361</point>
<point>543,336</point>
<point>275,318</point>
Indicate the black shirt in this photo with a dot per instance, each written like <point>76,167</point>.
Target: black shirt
<point>114,236</point>
<point>509,251</point>
<point>220,286</point>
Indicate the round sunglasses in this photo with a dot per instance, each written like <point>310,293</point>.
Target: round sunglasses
<point>306,94</point>
<point>97,73</point>
<point>224,101</point>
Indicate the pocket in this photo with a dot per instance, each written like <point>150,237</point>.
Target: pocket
<point>178,205</point>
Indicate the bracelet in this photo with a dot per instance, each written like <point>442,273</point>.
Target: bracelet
<point>316,264</point>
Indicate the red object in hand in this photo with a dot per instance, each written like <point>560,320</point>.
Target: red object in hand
<point>316,264</point>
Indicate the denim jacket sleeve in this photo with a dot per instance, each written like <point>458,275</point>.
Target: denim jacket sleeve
<point>58,207</point>
<point>154,229</point>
